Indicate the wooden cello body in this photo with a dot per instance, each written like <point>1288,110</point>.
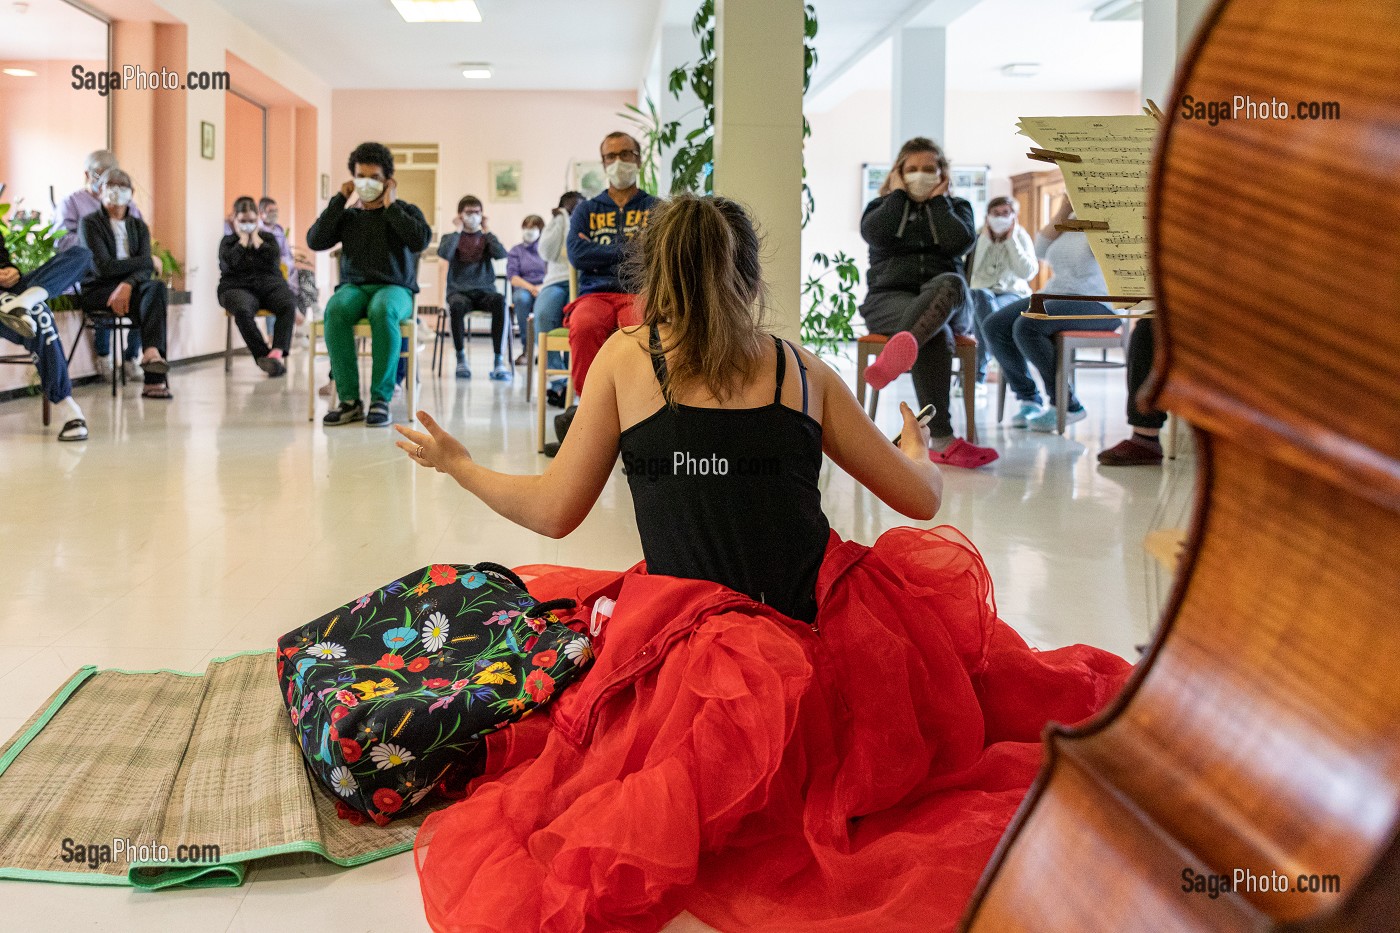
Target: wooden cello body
<point>1262,731</point>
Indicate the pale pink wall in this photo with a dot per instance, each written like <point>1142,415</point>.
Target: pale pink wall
<point>545,130</point>
<point>49,128</point>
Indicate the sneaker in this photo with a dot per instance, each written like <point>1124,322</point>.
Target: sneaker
<point>345,413</point>
<point>131,370</point>
<point>1045,422</point>
<point>15,315</point>
<point>554,398</point>
<point>1024,414</point>
<point>1132,452</point>
<point>501,374</point>
<point>103,366</point>
<point>981,391</point>
<point>562,422</point>
<point>378,415</point>
<point>463,370</point>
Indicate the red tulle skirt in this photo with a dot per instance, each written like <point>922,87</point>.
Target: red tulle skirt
<point>760,773</point>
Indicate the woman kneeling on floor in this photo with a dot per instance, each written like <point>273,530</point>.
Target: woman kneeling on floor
<point>782,730</point>
<point>250,279</point>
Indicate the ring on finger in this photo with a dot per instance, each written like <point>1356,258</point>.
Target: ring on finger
<point>419,452</point>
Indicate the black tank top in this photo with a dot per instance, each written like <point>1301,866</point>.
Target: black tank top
<point>731,495</point>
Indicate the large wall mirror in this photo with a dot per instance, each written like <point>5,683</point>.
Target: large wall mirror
<point>49,126</point>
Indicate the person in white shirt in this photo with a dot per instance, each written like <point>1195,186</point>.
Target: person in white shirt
<point>1000,268</point>
<point>554,290</point>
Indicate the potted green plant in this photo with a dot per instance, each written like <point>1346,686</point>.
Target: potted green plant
<point>32,243</point>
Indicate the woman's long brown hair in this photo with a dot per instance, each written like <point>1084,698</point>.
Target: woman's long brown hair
<point>913,147</point>
<point>697,271</point>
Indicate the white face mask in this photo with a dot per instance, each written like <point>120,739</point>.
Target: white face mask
<point>118,197</point>
<point>245,227</point>
<point>920,184</point>
<point>1000,225</point>
<point>368,189</point>
<point>529,234</point>
<point>471,222</point>
<point>623,175</point>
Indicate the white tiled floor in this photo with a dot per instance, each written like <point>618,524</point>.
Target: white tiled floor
<point>187,530</point>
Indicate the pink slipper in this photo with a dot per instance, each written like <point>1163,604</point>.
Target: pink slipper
<point>962,454</point>
<point>895,360</point>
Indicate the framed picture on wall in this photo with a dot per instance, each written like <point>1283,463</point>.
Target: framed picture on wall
<point>505,181</point>
<point>206,140</point>
<point>872,176</point>
<point>589,178</point>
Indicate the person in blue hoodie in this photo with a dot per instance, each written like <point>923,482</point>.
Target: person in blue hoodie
<point>599,232</point>
<point>471,282</point>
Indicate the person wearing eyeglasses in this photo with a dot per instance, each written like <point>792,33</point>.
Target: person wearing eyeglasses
<point>599,233</point>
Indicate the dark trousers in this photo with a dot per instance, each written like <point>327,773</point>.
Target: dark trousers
<point>889,312</point>
<point>245,301</point>
<point>147,311</point>
<point>1016,341</point>
<point>984,301</point>
<point>478,299</point>
<point>47,351</point>
<point>1140,352</point>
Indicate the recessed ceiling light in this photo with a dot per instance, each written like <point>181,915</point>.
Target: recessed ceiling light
<point>438,11</point>
<point>1117,10</point>
<point>1021,69</point>
<point>21,72</point>
<point>476,72</point>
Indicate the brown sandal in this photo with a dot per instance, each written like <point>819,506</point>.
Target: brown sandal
<point>156,391</point>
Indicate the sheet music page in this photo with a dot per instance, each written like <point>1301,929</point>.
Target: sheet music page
<point>1109,185</point>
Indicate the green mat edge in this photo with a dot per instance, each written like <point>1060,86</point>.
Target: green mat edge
<point>223,874</point>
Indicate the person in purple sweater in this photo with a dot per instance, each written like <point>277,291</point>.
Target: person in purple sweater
<point>525,268</point>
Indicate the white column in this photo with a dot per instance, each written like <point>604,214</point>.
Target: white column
<point>919,84</point>
<point>1167,29</point>
<point>758,136</point>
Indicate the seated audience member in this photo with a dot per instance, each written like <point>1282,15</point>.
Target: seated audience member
<point>1144,448</point>
<point>1015,340</point>
<point>998,269</point>
<point>71,212</point>
<point>123,279</point>
<point>250,279</point>
<point>471,282</point>
<point>554,290</point>
<point>27,321</point>
<point>598,233</point>
<point>917,297</point>
<point>380,238</point>
<point>525,269</point>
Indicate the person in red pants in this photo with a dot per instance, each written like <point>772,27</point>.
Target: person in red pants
<point>599,232</point>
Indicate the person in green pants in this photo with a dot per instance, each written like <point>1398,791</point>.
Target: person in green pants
<point>380,238</point>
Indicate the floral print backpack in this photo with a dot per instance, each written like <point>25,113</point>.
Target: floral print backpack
<point>391,695</point>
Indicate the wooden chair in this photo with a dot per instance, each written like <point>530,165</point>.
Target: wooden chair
<point>408,348</point>
<point>228,336</point>
<point>555,340</point>
<point>528,338</point>
<point>869,347</point>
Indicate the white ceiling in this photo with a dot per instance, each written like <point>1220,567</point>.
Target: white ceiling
<point>50,29</point>
<point>529,44</point>
<point>1074,52</point>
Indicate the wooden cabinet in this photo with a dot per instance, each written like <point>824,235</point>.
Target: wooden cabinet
<point>1038,195</point>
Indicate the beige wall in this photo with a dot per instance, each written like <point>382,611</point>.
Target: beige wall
<point>545,130</point>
